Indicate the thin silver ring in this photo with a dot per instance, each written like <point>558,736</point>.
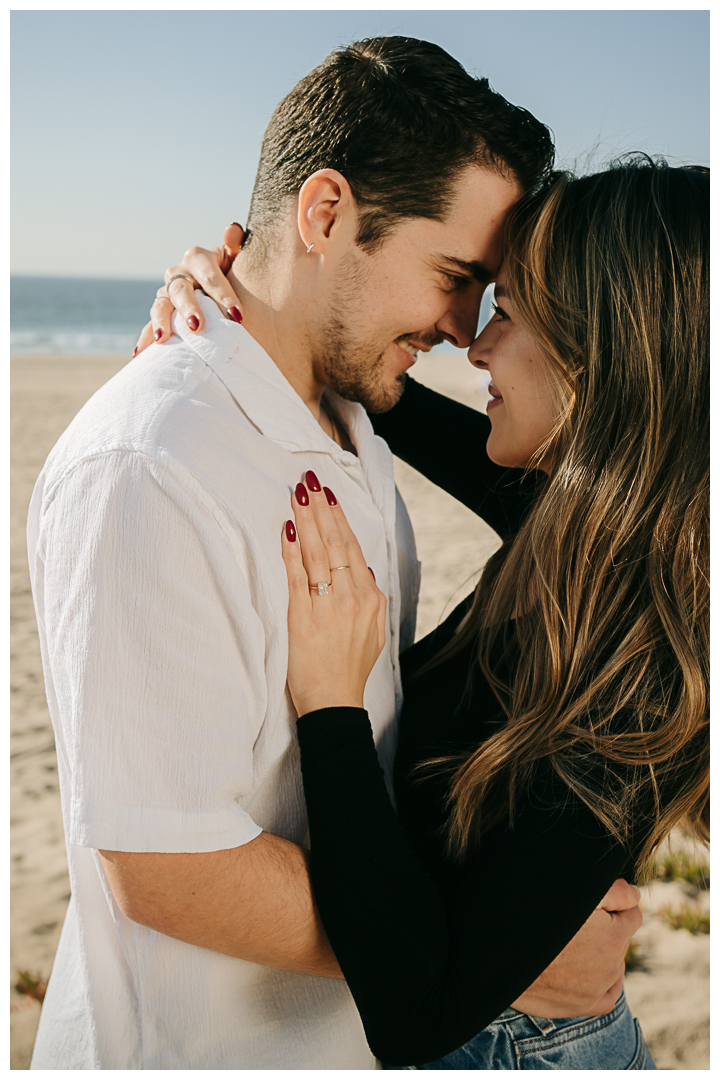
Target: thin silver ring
<point>173,278</point>
<point>334,568</point>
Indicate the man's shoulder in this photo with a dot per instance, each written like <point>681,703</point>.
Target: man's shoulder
<point>163,403</point>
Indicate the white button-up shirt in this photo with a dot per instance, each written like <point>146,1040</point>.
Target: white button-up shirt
<point>161,596</point>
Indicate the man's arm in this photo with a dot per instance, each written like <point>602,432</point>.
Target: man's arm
<point>253,902</point>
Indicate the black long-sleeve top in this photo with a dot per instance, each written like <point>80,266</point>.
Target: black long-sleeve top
<point>433,951</point>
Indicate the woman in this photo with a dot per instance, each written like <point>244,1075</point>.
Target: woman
<point>555,726</point>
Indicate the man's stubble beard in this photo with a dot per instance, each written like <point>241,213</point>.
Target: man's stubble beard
<point>354,371</point>
<point>351,366</point>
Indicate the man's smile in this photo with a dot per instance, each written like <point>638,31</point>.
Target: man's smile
<point>412,348</point>
<point>409,350</point>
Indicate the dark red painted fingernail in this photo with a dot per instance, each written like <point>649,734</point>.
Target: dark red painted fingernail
<point>157,335</point>
<point>372,572</point>
<point>290,531</point>
<point>312,481</point>
<point>135,352</point>
<point>234,313</point>
<point>301,495</point>
<point>330,497</point>
<point>193,322</point>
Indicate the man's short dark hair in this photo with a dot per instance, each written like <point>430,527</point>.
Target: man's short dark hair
<point>400,119</point>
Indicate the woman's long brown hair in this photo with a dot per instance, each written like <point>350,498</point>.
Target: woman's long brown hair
<point>609,571</point>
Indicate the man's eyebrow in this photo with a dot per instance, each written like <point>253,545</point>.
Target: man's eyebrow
<point>473,269</point>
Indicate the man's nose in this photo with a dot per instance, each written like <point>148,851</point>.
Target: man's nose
<point>459,324</point>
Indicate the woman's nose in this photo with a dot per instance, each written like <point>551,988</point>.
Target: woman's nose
<point>481,348</point>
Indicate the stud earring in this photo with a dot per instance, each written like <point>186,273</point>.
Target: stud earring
<point>310,248</point>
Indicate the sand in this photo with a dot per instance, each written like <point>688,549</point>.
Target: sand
<point>669,993</point>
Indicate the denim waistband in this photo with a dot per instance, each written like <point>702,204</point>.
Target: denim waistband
<point>545,1025</point>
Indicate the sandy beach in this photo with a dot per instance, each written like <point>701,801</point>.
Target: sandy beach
<point>669,987</point>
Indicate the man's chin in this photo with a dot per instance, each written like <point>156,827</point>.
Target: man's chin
<point>385,397</point>
<point>369,384</point>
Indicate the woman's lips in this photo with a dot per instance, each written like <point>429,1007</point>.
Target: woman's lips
<point>495,398</point>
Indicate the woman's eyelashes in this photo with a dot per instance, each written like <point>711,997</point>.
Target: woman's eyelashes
<point>500,312</point>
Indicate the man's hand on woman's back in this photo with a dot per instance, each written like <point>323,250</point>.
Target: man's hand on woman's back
<point>586,979</point>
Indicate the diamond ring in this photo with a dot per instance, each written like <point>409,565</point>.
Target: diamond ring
<point>323,587</point>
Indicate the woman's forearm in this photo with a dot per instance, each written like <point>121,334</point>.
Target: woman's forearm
<point>429,970</point>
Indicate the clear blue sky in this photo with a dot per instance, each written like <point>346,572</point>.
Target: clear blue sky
<point>136,133</point>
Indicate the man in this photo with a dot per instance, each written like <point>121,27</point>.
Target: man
<point>192,940</point>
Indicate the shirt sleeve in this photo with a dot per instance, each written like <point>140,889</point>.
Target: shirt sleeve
<point>445,441</point>
<point>155,658</point>
<point>429,969</point>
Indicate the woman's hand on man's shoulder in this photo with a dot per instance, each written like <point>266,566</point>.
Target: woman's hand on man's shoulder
<point>200,268</point>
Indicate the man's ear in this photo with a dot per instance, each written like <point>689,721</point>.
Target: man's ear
<point>326,209</point>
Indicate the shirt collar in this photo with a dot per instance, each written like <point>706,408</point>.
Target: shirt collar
<point>260,388</point>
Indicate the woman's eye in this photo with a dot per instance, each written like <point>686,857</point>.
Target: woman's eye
<point>497,310</point>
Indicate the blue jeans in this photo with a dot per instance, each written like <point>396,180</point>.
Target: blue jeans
<point>518,1041</point>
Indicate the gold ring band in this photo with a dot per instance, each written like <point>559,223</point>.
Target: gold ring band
<point>174,278</point>
<point>334,568</point>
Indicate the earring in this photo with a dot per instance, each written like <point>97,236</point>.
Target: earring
<point>310,248</point>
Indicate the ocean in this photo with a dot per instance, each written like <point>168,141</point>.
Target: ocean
<point>78,315</point>
<point>95,315</point>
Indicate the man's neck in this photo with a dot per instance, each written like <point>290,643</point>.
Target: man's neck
<point>277,317</point>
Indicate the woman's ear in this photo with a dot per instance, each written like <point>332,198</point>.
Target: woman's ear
<point>326,210</point>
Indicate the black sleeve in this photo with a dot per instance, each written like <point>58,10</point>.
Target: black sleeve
<point>445,441</point>
<point>427,970</point>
